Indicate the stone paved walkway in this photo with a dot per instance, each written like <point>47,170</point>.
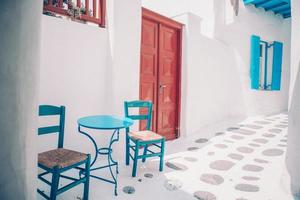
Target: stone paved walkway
<point>241,162</point>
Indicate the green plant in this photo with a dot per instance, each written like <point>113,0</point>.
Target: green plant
<point>73,11</point>
<point>82,9</point>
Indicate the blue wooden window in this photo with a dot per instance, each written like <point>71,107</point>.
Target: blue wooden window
<point>262,76</point>
<point>255,62</point>
<point>277,63</point>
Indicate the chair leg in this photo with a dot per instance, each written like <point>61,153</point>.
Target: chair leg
<point>162,152</point>
<point>54,183</point>
<point>87,176</point>
<point>136,154</point>
<point>127,149</point>
<point>145,153</point>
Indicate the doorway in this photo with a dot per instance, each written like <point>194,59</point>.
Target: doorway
<point>160,71</point>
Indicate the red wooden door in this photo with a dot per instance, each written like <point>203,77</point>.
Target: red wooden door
<point>160,71</point>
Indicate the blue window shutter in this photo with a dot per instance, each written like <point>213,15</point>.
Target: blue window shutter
<point>277,65</point>
<point>255,61</point>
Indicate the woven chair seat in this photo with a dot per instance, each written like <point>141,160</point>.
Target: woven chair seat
<point>60,157</point>
<point>145,136</point>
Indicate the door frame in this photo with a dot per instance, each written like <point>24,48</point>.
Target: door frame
<point>153,16</point>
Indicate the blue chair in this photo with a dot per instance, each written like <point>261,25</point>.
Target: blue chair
<point>135,140</point>
<point>60,160</point>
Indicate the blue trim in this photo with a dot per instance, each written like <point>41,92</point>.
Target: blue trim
<point>277,65</point>
<point>272,5</point>
<point>276,6</point>
<point>266,68</point>
<point>283,11</point>
<point>255,62</point>
<point>49,129</point>
<point>260,4</point>
<point>48,110</point>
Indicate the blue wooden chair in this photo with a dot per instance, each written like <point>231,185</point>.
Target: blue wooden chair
<point>135,140</point>
<point>60,160</point>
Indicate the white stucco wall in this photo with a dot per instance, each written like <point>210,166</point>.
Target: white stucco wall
<point>295,47</point>
<point>125,31</point>
<point>216,80</point>
<point>126,52</point>
<point>293,161</point>
<point>19,67</point>
<point>212,89</point>
<point>103,69</point>
<point>90,70</point>
<point>236,35</point>
<point>73,72</point>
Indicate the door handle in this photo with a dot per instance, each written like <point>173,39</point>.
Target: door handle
<point>162,86</point>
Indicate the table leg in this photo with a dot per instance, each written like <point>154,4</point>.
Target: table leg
<point>111,161</point>
<point>94,142</point>
<point>105,151</point>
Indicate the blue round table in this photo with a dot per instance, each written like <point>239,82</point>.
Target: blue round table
<point>104,122</point>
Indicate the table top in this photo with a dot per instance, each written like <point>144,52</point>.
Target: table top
<point>104,122</point>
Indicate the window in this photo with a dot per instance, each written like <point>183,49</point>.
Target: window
<point>91,11</point>
<point>266,64</point>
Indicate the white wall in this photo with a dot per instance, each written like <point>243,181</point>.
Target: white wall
<point>73,72</point>
<point>295,47</point>
<point>173,8</point>
<point>216,80</point>
<point>19,67</point>
<point>126,52</point>
<point>210,90</point>
<point>293,161</point>
<point>90,70</point>
<point>125,70</point>
<point>236,35</point>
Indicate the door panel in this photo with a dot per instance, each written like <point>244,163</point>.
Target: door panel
<point>160,72</point>
<point>167,82</point>
<point>148,71</point>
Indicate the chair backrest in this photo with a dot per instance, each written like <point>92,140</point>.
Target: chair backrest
<point>139,104</point>
<point>48,110</point>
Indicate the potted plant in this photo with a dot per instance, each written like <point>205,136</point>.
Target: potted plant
<point>73,11</point>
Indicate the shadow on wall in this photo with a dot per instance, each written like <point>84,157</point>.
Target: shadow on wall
<point>80,74</point>
<point>237,55</point>
<point>293,161</point>
<point>212,80</point>
<point>234,80</point>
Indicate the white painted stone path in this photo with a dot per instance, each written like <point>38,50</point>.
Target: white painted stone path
<point>243,162</point>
